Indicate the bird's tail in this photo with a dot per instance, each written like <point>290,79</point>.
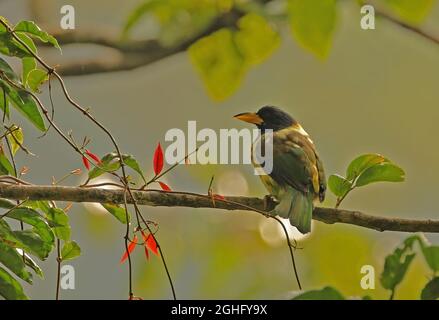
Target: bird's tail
<point>297,207</point>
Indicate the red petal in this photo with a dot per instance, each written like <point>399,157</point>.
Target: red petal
<point>146,253</point>
<point>164,186</point>
<point>145,238</point>
<point>86,162</point>
<point>93,156</point>
<point>219,197</point>
<point>131,248</point>
<point>158,159</point>
<point>152,245</point>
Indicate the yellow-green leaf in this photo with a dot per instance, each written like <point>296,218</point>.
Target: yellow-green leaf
<point>339,185</point>
<point>15,138</point>
<point>256,38</point>
<point>219,63</point>
<point>36,78</point>
<point>29,27</point>
<point>413,11</point>
<point>70,251</point>
<point>118,212</point>
<point>313,23</point>
<point>361,163</point>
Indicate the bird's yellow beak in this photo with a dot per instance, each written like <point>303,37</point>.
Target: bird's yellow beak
<point>249,117</point>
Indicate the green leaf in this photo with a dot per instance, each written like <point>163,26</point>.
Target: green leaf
<point>109,163</point>
<point>24,103</point>
<point>10,288</point>
<point>339,185</point>
<point>11,259</point>
<point>31,242</point>
<point>118,212</point>
<point>379,173</point>
<point>256,39</point>
<point>6,68</point>
<point>70,251</point>
<point>363,162</point>
<point>131,162</point>
<point>60,221</point>
<point>397,263</point>
<point>38,205</point>
<point>431,253</point>
<point>6,204</point>
<point>313,23</point>
<point>219,63</point>
<point>10,47</point>
<point>327,293</point>
<point>4,103</point>
<point>431,290</point>
<point>15,138</point>
<point>5,165</point>
<point>31,263</point>
<point>33,218</point>
<point>138,13</point>
<point>28,41</point>
<point>28,65</point>
<point>412,11</point>
<point>29,27</point>
<point>36,78</point>
<point>28,240</point>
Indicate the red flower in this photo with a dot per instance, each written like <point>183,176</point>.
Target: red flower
<point>152,245</point>
<point>93,156</point>
<point>145,238</point>
<point>164,186</point>
<point>86,162</point>
<point>131,248</point>
<point>158,159</point>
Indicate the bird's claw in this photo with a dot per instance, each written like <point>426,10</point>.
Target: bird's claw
<point>269,202</point>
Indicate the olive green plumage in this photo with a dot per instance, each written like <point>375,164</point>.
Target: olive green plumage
<point>298,177</point>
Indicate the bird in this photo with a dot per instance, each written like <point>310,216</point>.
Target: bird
<point>297,178</point>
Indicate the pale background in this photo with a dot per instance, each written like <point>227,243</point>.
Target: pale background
<point>377,92</point>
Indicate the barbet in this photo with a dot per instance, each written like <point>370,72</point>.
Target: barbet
<point>297,178</point>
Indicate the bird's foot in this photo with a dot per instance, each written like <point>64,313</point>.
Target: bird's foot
<point>270,202</point>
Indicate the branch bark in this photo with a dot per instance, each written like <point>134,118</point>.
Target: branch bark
<point>158,198</point>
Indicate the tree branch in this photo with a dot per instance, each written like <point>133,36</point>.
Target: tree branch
<point>418,31</point>
<point>132,54</point>
<point>157,198</point>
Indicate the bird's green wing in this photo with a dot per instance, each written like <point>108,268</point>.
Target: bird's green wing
<point>295,161</point>
<point>322,179</point>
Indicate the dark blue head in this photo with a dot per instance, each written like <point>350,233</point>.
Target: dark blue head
<point>268,117</point>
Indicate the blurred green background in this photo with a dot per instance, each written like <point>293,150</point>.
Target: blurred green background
<point>376,92</point>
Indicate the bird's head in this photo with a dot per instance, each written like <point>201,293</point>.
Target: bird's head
<point>268,117</point>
